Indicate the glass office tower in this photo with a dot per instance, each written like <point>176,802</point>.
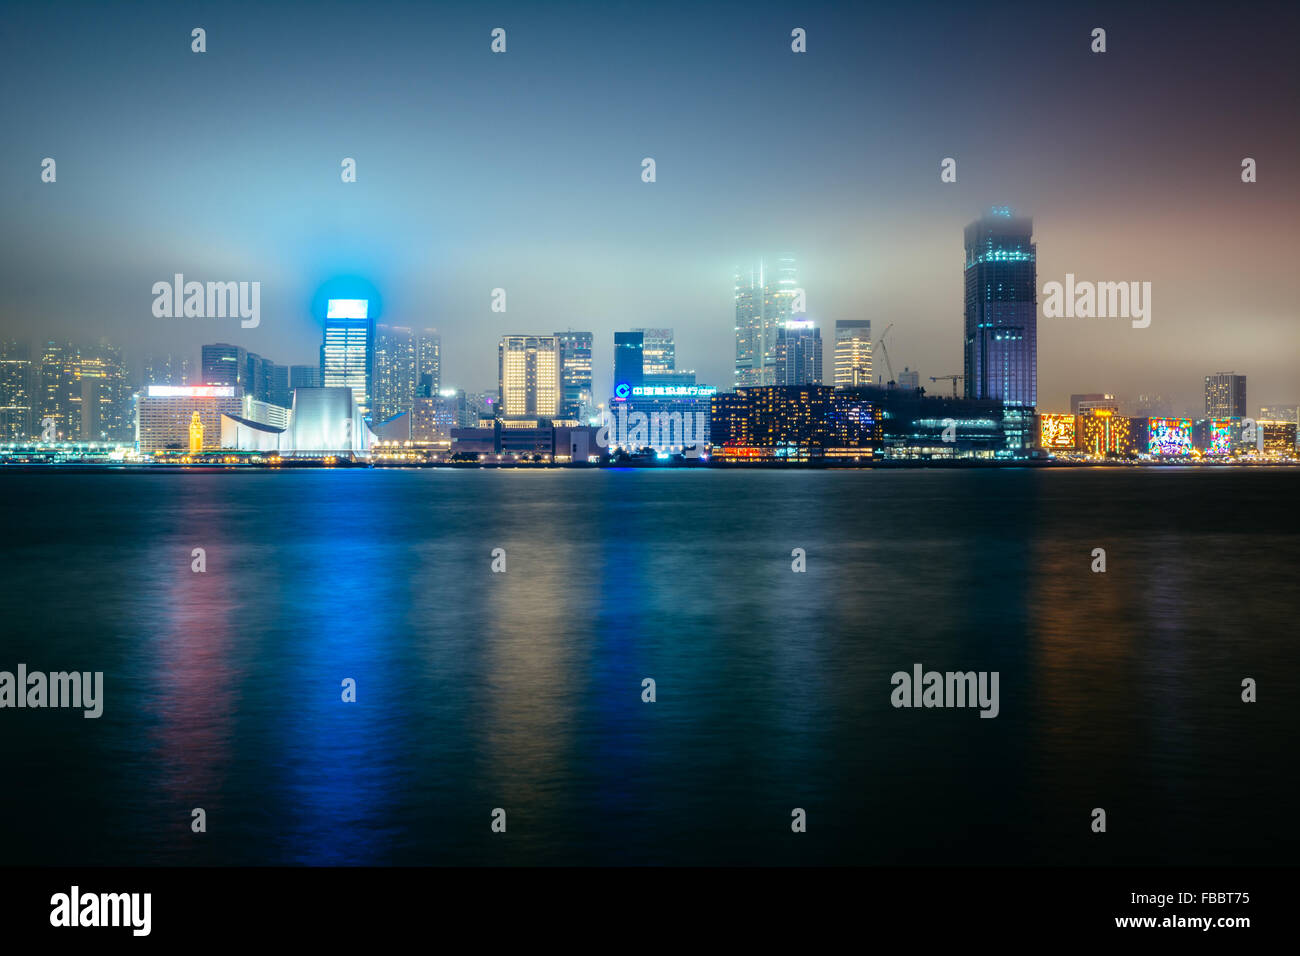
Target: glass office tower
<point>798,354</point>
<point>347,352</point>
<point>629,359</point>
<point>764,297</point>
<point>1001,309</point>
<point>575,373</point>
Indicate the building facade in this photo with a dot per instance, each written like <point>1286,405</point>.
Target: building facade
<point>939,427</point>
<point>794,423</point>
<point>17,392</point>
<point>221,364</point>
<point>1225,395</point>
<point>58,412</point>
<point>575,374</point>
<point>347,353</point>
<point>1104,434</point>
<point>167,368</point>
<point>852,353</point>
<point>658,354</point>
<point>164,414</point>
<point>396,365</point>
<point>528,376</point>
<point>798,354</point>
<point>428,363</point>
<point>764,295</point>
<point>434,417</point>
<point>1001,335</point>
<point>668,419</point>
<point>1085,402</point>
<point>629,359</point>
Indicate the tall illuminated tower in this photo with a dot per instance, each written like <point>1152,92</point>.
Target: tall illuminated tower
<point>1002,309</point>
<point>852,352</point>
<point>394,372</point>
<point>347,354</point>
<point>428,363</point>
<point>1225,395</point>
<point>59,396</point>
<point>17,411</point>
<point>764,296</point>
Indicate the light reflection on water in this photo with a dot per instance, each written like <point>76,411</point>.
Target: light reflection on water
<point>523,690</point>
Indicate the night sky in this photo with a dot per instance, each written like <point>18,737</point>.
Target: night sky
<point>522,171</point>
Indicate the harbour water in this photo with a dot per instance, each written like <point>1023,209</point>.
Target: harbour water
<point>522,690</point>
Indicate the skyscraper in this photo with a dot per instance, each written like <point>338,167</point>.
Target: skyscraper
<point>629,358</point>
<point>852,352</point>
<point>798,354</point>
<point>428,363</point>
<point>1001,276</point>
<point>764,297</point>
<point>528,376</point>
<point>223,364</point>
<point>396,362</point>
<point>17,401</point>
<point>58,381</point>
<point>101,395</point>
<point>575,373</point>
<point>280,393</point>
<point>304,376</point>
<point>658,353</point>
<point>257,381</point>
<point>347,353</point>
<point>166,368</point>
<point>1225,395</point>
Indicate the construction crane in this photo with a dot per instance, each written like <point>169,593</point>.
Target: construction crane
<point>888,364</point>
<point>944,378</point>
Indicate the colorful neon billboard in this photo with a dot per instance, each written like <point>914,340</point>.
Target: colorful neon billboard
<point>1056,430</point>
<point>1170,437</point>
<point>1219,437</point>
<point>673,391</point>
<point>1104,433</point>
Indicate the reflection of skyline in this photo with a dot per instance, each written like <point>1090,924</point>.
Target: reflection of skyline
<point>197,684</point>
<point>531,672</point>
<point>1135,671</point>
<point>522,690</point>
<point>339,763</point>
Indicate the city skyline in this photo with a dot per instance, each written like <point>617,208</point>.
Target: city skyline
<point>87,390</point>
<point>567,231</point>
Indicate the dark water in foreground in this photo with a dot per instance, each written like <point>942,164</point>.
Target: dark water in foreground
<point>522,690</point>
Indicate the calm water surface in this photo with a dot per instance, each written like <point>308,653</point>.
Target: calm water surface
<point>523,690</point>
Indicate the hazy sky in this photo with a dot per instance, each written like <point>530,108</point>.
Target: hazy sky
<point>523,171</point>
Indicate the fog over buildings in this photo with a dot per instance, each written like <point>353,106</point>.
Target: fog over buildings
<point>522,172</point>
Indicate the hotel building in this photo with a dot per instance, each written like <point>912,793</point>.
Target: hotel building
<point>528,377</point>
